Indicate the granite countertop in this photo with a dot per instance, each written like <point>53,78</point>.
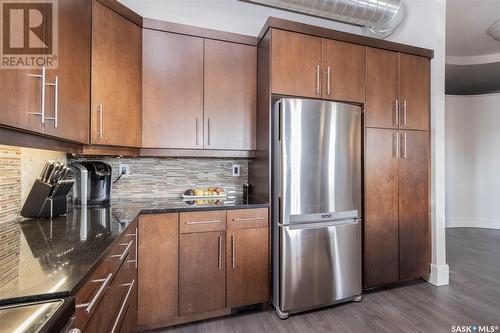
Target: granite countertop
<point>46,259</point>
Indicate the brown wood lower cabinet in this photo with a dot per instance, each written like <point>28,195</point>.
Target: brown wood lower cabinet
<point>397,219</point>
<point>158,268</point>
<point>203,270</point>
<point>107,301</point>
<point>247,266</point>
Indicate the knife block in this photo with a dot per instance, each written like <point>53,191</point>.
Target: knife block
<point>40,203</point>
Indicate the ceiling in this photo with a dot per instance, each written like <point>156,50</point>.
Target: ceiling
<point>466,25</point>
<point>472,65</point>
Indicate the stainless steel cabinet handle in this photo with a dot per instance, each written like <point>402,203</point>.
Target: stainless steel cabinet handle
<point>125,252</point>
<point>404,146</point>
<point>136,247</point>
<point>219,253</point>
<point>405,105</point>
<point>105,282</point>
<point>56,102</point>
<point>328,80</point>
<point>203,222</point>
<point>246,219</point>
<point>122,308</point>
<point>233,250</point>
<point>196,130</point>
<point>317,80</point>
<point>43,77</point>
<point>100,109</point>
<point>395,145</point>
<point>208,131</point>
<point>396,113</point>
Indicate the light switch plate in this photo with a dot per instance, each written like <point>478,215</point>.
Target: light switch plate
<point>236,170</point>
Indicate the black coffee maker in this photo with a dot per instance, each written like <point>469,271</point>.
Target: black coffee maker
<point>93,183</point>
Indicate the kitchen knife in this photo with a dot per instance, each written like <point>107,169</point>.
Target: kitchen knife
<point>53,173</point>
<point>64,172</point>
<point>48,171</point>
<point>42,175</point>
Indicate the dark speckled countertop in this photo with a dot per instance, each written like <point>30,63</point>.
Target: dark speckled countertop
<point>43,259</point>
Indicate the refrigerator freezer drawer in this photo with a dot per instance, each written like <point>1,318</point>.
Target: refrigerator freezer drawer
<point>320,264</point>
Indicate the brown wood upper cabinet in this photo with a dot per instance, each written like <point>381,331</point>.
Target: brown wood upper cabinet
<point>396,206</point>
<point>198,93</point>
<point>397,92</point>
<point>71,110</point>
<point>116,79</point>
<point>308,66</point>
<point>230,90</point>
<point>343,71</point>
<point>22,91</point>
<point>172,81</point>
<point>295,64</point>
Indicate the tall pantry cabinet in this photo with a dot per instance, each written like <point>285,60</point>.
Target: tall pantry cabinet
<point>397,164</point>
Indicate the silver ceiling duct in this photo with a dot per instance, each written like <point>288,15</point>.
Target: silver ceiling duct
<point>379,18</point>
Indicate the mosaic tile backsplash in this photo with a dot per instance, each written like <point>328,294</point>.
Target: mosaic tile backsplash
<point>169,177</point>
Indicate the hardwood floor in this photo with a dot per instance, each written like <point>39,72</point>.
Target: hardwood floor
<point>473,297</point>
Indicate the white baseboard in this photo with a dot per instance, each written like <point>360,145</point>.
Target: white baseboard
<point>473,223</point>
<point>440,275</point>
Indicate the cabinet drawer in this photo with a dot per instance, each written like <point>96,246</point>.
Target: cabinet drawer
<point>91,293</point>
<point>247,218</point>
<point>202,221</point>
<point>111,311</point>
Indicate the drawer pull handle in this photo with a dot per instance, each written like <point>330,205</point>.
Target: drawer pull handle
<point>136,246</point>
<point>125,252</point>
<point>203,222</point>
<point>233,248</point>
<point>219,253</point>
<point>105,282</point>
<point>246,219</point>
<point>117,320</point>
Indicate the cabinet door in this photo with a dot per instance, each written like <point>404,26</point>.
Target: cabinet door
<point>295,64</point>
<point>158,268</point>
<point>20,95</point>
<point>230,95</point>
<point>247,266</point>
<point>202,272</point>
<point>381,208</point>
<point>414,217</point>
<point>172,91</point>
<point>116,79</point>
<point>414,89</point>
<point>73,73</point>
<point>344,74</point>
<point>381,88</point>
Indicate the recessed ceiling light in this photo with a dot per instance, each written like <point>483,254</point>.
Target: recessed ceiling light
<point>494,30</point>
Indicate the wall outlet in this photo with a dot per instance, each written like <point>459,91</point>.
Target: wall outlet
<point>236,170</point>
<point>124,170</point>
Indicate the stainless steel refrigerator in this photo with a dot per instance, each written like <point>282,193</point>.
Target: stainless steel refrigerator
<point>316,204</point>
